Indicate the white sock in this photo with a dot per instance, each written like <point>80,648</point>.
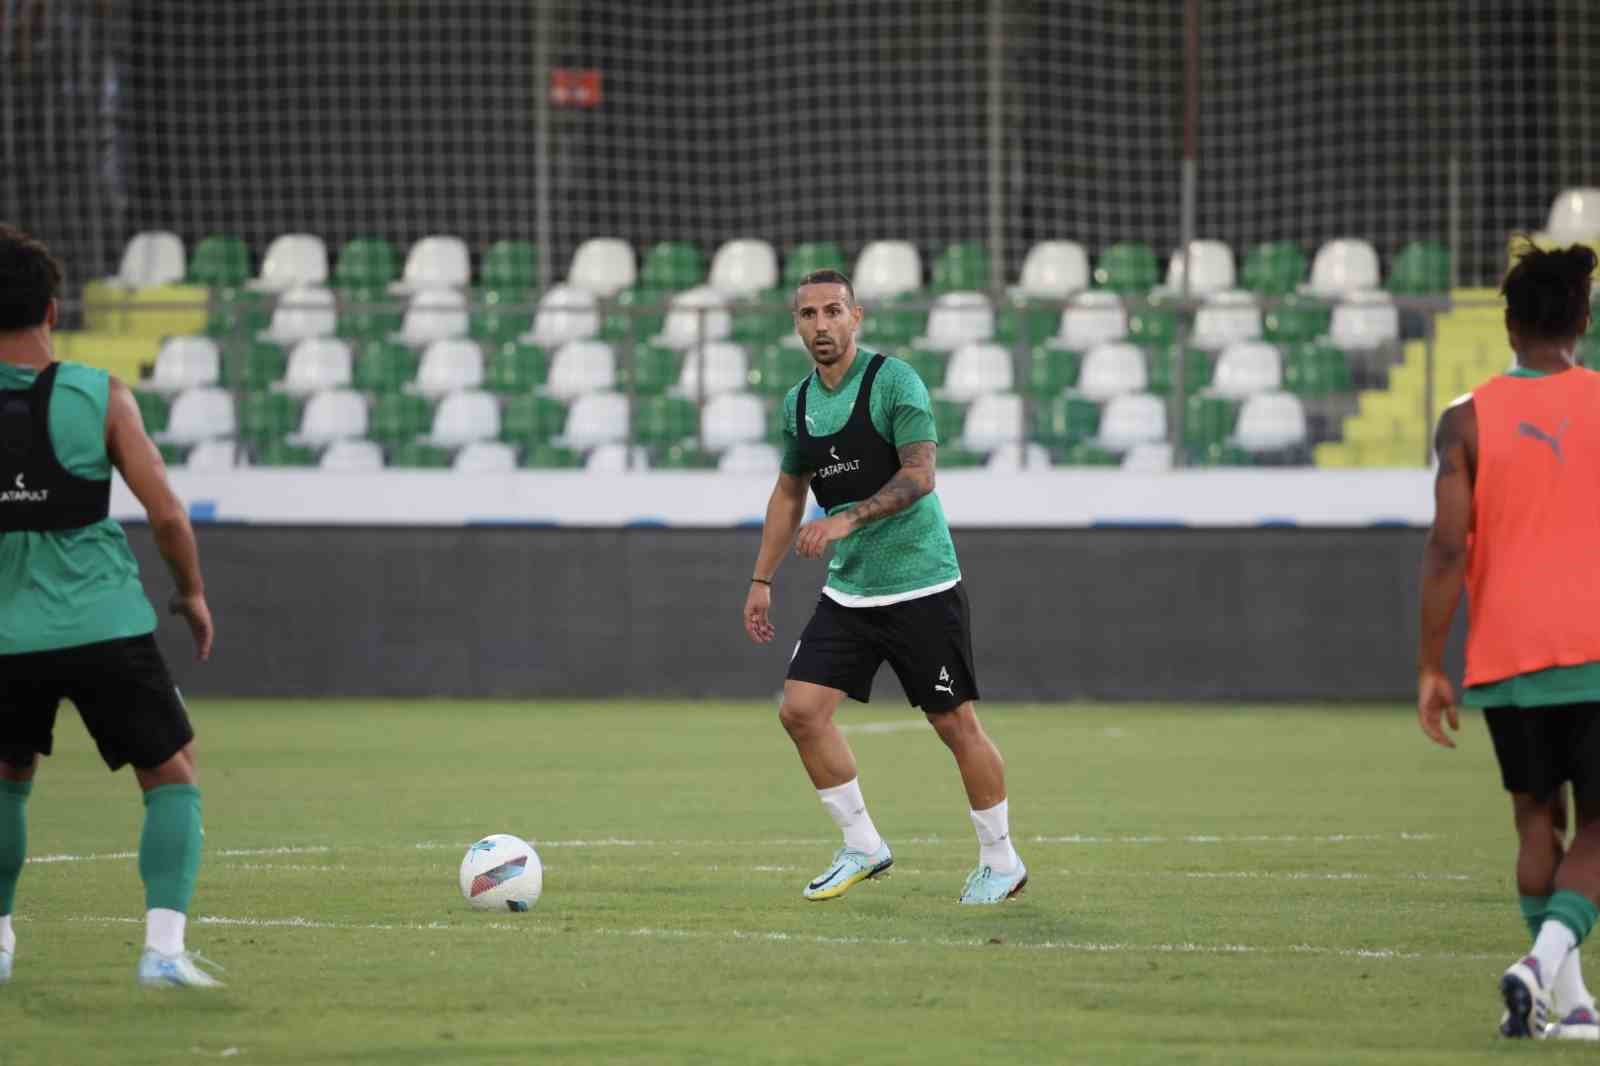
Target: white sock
<point>163,930</point>
<point>8,938</point>
<point>994,839</point>
<point>849,812</point>
<point>1554,944</point>
<point>1569,989</point>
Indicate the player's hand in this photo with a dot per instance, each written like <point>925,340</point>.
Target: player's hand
<point>815,537</point>
<point>756,606</point>
<point>1436,699</point>
<point>193,609</point>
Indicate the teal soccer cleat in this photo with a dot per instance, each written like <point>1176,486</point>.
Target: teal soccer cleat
<point>985,886</point>
<point>848,868</point>
<point>181,970</point>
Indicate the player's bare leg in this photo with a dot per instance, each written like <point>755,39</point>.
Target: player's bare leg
<point>16,782</point>
<point>1000,874</point>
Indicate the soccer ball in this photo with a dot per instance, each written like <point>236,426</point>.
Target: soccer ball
<point>502,873</point>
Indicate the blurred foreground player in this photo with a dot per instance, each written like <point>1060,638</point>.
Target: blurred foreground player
<point>859,432</point>
<point>74,621</point>
<point>1518,522</point>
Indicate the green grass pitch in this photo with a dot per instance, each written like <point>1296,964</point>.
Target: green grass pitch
<point>1209,885</point>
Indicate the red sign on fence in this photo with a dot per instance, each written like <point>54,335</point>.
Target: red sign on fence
<point>575,87</point>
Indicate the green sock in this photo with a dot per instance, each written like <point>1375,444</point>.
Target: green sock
<point>13,838</point>
<point>1533,908</point>
<point>1573,910</point>
<point>169,847</point>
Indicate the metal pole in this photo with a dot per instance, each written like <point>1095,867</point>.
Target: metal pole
<point>1190,178</point>
<point>997,214</point>
<point>1427,390</point>
<point>1453,217</point>
<point>541,138</point>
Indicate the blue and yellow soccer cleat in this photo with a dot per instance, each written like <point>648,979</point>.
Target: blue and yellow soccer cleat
<point>985,886</point>
<point>849,866</point>
<point>181,970</point>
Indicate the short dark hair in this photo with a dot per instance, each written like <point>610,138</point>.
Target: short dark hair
<point>826,277</point>
<point>30,278</point>
<point>1547,291</point>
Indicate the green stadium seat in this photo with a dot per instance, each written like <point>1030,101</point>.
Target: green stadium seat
<point>1128,268</point>
<point>1086,454</point>
<point>1315,368</point>
<point>776,368</point>
<point>1065,421</point>
<point>672,266</point>
<point>765,319</point>
<point>1297,318</point>
<point>949,419</point>
<point>1274,268</point>
<point>809,256</point>
<point>1051,372</point>
<point>254,364</point>
<point>532,420</point>
<point>960,268</point>
<point>280,452</point>
<point>367,314</point>
<point>504,316</point>
<point>929,365</point>
<point>154,409</point>
<point>664,420</point>
<point>550,457</point>
<point>366,263</point>
<point>1150,326</point>
<point>955,457</point>
<point>398,417</point>
<point>219,262</point>
<point>385,366</point>
<point>172,454</point>
<point>1207,422</point>
<point>517,367</point>
<point>622,316</point>
<point>893,324</point>
<point>1221,454</point>
<point>510,267</point>
<point>1196,369</point>
<point>1589,350</point>
<point>1422,268</point>
<point>685,456</point>
<point>653,370</point>
<point>238,314</point>
<point>267,416</point>
<point>420,455</point>
<point>1030,324</point>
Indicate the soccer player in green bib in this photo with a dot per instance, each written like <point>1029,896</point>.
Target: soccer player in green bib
<point>859,433</point>
<point>74,620</point>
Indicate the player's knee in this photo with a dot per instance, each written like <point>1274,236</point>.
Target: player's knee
<point>799,718</point>
<point>958,728</point>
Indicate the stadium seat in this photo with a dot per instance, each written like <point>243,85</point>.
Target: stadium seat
<point>1161,365</point>
<point>732,418</point>
<point>285,453</point>
<point>517,367</point>
<point>367,315</point>
<point>1112,369</point>
<point>710,369</point>
<point>366,263</point>
<point>153,410</point>
<point>266,416</point>
<point>214,456</point>
<point>1148,458</point>
<point>886,269</point>
<point>1343,265</point>
<point>891,323</point>
<point>302,313</point>
<point>743,267</point>
<point>1128,268</point>
<point>203,413</point>
<point>293,261</point>
<point>1246,368</point>
<point>1065,421</point>
<point>1212,268</point>
<point>510,268</point>
<point>579,367</point>
<point>150,258</point>
<point>957,319</point>
<point>685,456</point>
<point>449,366</point>
<point>602,266</point>
<point>1421,268</point>
<point>398,417</point>
<point>1092,318</point>
<point>696,314</point>
<point>1018,321</point>
<point>1131,419</point>
<point>1017,456</point>
<point>420,455</point>
<point>660,421</point>
<point>1315,368</point>
<point>635,314</point>
<point>751,457</point>
<point>1274,268</point>
<point>1294,319</point>
<point>595,418</point>
<point>992,421</point>
<point>352,457</point>
<point>1208,422</point>
<point>500,318</point>
<point>811,256</point>
<point>1051,371</point>
<point>184,363</point>
<point>318,363</point>
<point>551,457</point>
<point>332,415</point>
<point>776,368</point>
<point>961,268</point>
<point>566,313</point>
<point>1152,325</point>
<point>465,416</point>
<point>765,317</point>
<point>1225,318</point>
<point>485,457</point>
<point>930,366</point>
<point>672,266</point>
<point>432,315</point>
<point>651,370</point>
<point>220,262</point>
<point>616,458</point>
<point>976,370</point>
<point>385,366</point>
<point>1271,421</point>
<point>1054,270</point>
<point>1364,320</point>
<point>436,262</point>
<point>530,420</point>
<point>238,314</point>
<point>1574,216</point>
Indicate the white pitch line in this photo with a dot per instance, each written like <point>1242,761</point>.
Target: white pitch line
<point>222,853</point>
<point>900,726</point>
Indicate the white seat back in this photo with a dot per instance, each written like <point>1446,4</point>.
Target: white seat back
<point>581,366</point>
<point>1343,265</point>
<point>617,459</point>
<point>1054,270</point>
<point>751,457</point>
<point>302,312</point>
<point>1271,421</point>
<point>333,415</point>
<point>434,314</point>
<point>198,414</point>
<point>465,416</point>
<point>958,318</point>
<point>1015,456</point>
<point>450,366</point>
<point>437,262</point>
<point>693,314</point>
<point>993,421</point>
<point>1364,320</point>
<point>185,362</point>
<point>732,418</point>
<point>602,266</point>
<point>887,268</point>
<point>566,313</point>
<point>211,456</point>
<point>1575,216</point>
<point>596,418</point>
<point>1246,368</point>
<point>318,363</point>
<point>1226,318</point>
<point>744,267</point>
<point>1211,268</point>
<point>1149,457</point>
<point>154,257</point>
<point>1093,318</point>
<point>710,369</point>
<point>1135,418</point>
<point>292,261</point>
<point>976,370</point>
<point>485,457</point>
<point>1112,369</point>
<point>352,457</point>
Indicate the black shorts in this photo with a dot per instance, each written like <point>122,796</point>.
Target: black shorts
<point>122,691</point>
<point>1541,747</point>
<point>927,641</point>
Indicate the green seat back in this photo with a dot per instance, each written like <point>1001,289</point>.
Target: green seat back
<point>154,409</point>
<point>254,364</point>
<point>685,456</point>
<point>654,369</point>
<point>532,420</point>
<point>282,453</point>
<point>1032,325</point>
<point>1274,268</point>
<point>517,367</point>
<point>398,417</point>
<point>172,454</point>
<point>1152,325</point>
<point>1422,268</point>
<point>810,256</point>
<point>504,316</point>
<point>1295,319</point>
<point>1065,420</point>
<point>1589,350</point>
<point>1128,268</point>
<point>961,267</point>
<point>1196,369</point>
<point>1221,454</point>
<point>954,457</point>
<point>929,365</point>
<point>510,266</point>
<point>385,366</point>
<point>548,456</point>
<point>1207,421</point>
<point>672,266</point>
<point>267,416</point>
<point>664,420</point>
<point>365,263</point>
<point>420,455</point>
<point>1086,454</point>
<point>220,262</point>
<point>1052,371</point>
<point>766,318</point>
<point>238,314</point>
<point>893,325</point>
<point>624,313</point>
<point>949,419</point>
<point>367,314</point>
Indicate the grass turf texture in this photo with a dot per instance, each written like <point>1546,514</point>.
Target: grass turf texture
<point>1256,885</point>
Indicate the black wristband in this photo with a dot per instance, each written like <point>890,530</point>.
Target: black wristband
<point>761,581</point>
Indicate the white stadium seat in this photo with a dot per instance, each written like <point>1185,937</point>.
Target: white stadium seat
<point>465,416</point>
<point>302,312</point>
<point>754,457</point>
<point>579,367</point>
<point>1364,320</point>
<point>1013,457</point>
<point>1574,216</point>
<point>352,457</point>
<point>714,368</point>
<point>566,313</point>
<point>1246,368</point>
<point>595,418</point>
<point>732,418</point>
<point>204,413</point>
<point>437,262</point>
<point>976,370</point>
<point>1112,369</point>
<point>744,267</point>
<point>617,459</point>
<point>184,363</point>
<point>1226,318</point>
<point>1271,421</point>
<point>1211,268</point>
<point>1054,270</point>
<point>154,257</point>
<point>1343,265</point>
<point>318,363</point>
<point>957,318</point>
<point>485,457</point>
<point>1132,419</point>
<point>1093,318</point>
<point>695,314</point>
<point>602,266</point>
<point>885,269</point>
<point>212,456</point>
<point>1148,458</point>
<point>993,421</point>
<point>432,315</point>
<point>449,366</point>
<point>293,261</point>
<point>333,415</point>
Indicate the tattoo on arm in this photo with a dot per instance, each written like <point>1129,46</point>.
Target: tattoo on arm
<point>1445,439</point>
<point>913,481</point>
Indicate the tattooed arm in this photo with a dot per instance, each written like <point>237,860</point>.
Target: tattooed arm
<point>910,483</point>
<point>1444,564</point>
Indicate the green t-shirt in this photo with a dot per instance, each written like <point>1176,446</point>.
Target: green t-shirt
<point>60,589</point>
<point>905,555</point>
<point>1541,688</point>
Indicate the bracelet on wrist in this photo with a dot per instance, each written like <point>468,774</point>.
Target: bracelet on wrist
<point>761,581</point>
